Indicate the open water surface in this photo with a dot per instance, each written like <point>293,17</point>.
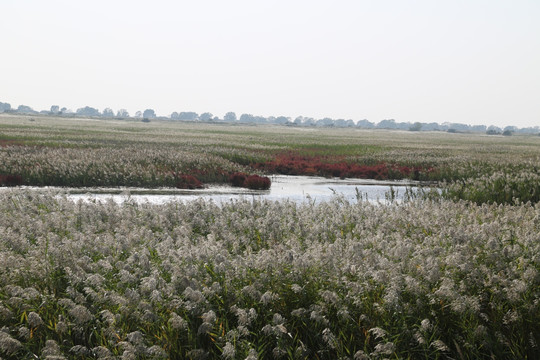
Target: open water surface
<point>293,188</point>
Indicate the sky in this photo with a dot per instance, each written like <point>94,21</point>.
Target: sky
<point>462,61</point>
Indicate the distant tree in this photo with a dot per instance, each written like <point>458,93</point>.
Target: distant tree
<point>138,114</point>
<point>402,125</point>
<point>230,116</point>
<point>530,130</point>
<point>282,120</point>
<point>55,109</point>
<point>387,124</point>
<point>365,124</point>
<point>417,126</point>
<point>308,121</point>
<point>122,113</point>
<point>246,118</point>
<point>493,130</point>
<point>188,116</point>
<point>149,114</point>
<point>433,126</point>
<point>206,116</point>
<point>4,107</point>
<point>325,122</point>
<point>175,116</point>
<point>340,123</point>
<point>88,111</point>
<point>23,109</point>
<point>107,112</point>
<point>507,132</point>
<point>479,128</point>
<point>458,126</point>
<point>260,119</point>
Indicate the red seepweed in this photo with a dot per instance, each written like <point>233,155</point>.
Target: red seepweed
<point>188,182</point>
<point>254,182</point>
<point>237,179</point>
<point>292,164</point>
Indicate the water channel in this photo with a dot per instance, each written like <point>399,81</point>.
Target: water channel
<point>293,188</point>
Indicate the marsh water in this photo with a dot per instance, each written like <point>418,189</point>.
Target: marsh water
<point>293,188</point>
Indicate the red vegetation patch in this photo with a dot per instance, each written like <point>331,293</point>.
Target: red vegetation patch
<point>254,182</point>
<point>238,179</point>
<point>10,180</point>
<point>290,164</point>
<point>188,182</point>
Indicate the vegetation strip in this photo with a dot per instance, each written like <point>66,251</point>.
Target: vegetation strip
<point>93,153</point>
<point>424,279</point>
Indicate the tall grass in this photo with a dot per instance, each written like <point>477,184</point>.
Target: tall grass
<point>502,187</point>
<point>261,280</point>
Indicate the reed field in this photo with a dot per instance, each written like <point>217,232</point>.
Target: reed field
<point>88,152</point>
<point>450,274</point>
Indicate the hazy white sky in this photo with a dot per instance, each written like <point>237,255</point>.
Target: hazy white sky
<point>467,61</point>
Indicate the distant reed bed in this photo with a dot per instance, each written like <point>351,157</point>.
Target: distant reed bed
<point>79,152</point>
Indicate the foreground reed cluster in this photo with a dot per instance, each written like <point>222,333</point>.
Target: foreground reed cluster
<point>267,280</point>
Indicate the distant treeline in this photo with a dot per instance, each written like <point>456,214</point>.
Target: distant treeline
<point>231,117</point>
